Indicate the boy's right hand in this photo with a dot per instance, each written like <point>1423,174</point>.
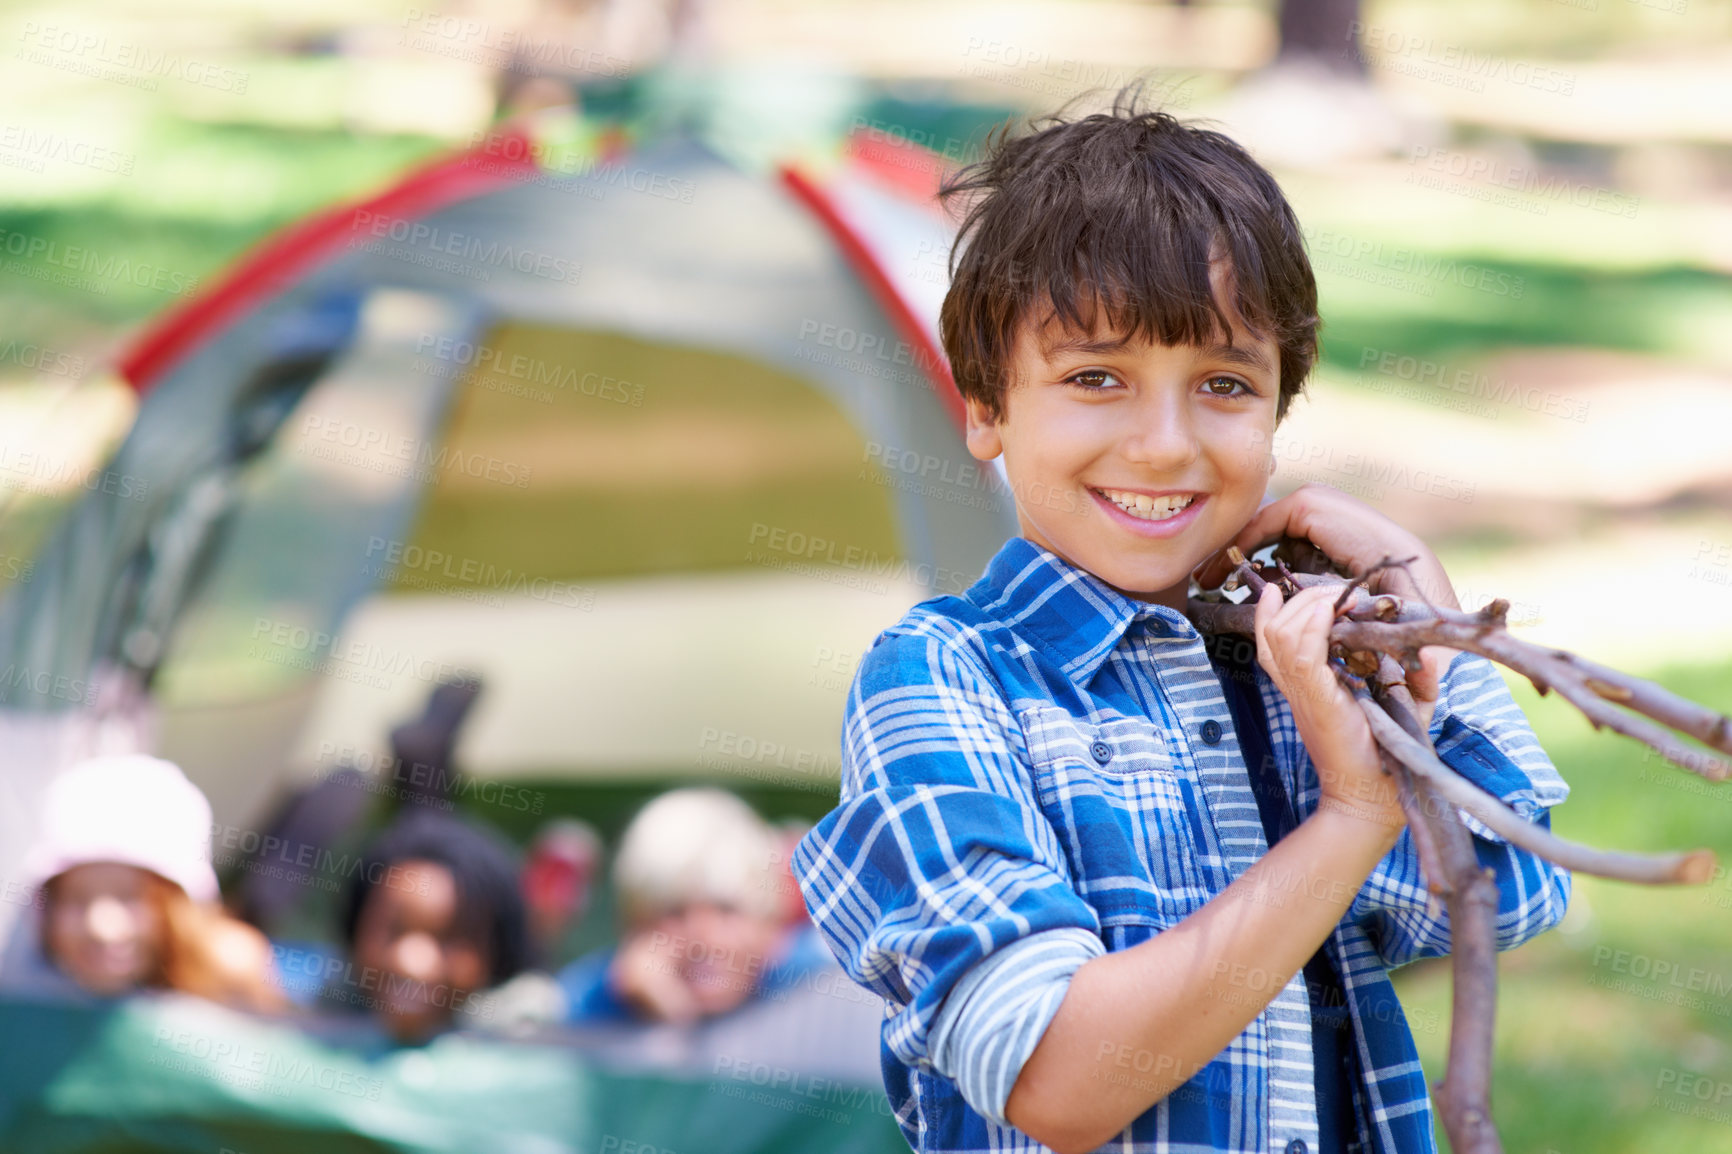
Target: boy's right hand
<point>643,976</point>
<point>1293,648</point>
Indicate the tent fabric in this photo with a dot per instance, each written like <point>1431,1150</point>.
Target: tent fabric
<point>286,416</point>
<point>174,1073</point>
<point>707,256</point>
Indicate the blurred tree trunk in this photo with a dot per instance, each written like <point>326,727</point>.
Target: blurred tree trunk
<point>1323,30</point>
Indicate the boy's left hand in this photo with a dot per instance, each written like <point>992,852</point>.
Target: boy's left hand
<point>1356,537</point>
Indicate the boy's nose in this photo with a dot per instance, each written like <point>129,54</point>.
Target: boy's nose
<point>1163,435</point>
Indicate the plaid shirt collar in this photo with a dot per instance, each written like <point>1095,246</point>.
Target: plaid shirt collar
<point>1067,611</point>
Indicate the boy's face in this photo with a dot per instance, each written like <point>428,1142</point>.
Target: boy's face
<point>1132,460</point>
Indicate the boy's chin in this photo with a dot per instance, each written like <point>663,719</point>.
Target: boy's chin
<point>1144,582</point>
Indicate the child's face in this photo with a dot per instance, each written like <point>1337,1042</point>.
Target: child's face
<point>1092,424</point>
<point>717,952</point>
<point>104,927</point>
<point>411,932</point>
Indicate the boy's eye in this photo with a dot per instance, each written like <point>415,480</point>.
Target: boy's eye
<point>1226,386</point>
<point>1092,379</point>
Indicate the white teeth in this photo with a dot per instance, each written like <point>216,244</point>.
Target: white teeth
<point>1145,507</point>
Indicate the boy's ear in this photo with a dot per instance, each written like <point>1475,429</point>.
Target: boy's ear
<point>982,432</point>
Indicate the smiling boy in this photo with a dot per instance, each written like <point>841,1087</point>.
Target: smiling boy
<point>1054,790</point>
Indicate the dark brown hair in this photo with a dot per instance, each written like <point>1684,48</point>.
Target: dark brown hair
<point>1121,211</point>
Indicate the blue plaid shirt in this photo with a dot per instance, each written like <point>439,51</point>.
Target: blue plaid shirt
<point>1028,782</point>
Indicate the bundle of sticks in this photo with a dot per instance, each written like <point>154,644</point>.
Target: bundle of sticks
<point>1374,644</point>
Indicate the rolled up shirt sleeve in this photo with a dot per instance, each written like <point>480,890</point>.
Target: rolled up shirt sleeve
<point>1481,733</point>
<point>999,1011</point>
<point>937,859</point>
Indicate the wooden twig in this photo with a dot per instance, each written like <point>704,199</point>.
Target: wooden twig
<point>1607,697</point>
<point>1374,641</point>
<point>1464,1094</point>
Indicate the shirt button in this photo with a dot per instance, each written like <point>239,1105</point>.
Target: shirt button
<point>1212,736</point>
<point>1101,752</point>
<point>1297,1146</point>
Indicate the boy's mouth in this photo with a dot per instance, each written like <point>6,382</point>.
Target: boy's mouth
<point>1147,508</point>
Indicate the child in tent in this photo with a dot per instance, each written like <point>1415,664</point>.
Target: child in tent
<point>702,883</point>
<point>128,896</point>
<point>434,916</point>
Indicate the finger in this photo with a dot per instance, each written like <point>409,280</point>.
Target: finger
<point>1300,606</point>
<point>1268,605</point>
<point>1285,621</point>
<point>1426,682</point>
<point>1314,635</point>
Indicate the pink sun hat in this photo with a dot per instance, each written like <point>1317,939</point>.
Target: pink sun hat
<point>132,809</point>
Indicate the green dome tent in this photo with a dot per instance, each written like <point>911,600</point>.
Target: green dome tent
<point>652,442</point>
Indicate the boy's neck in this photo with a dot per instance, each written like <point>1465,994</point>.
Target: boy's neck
<point>1173,598</point>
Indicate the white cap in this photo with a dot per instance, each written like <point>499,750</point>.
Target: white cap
<point>132,809</point>
<point>697,845</point>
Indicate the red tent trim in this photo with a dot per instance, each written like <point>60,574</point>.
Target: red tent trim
<point>290,252</point>
<point>865,263</point>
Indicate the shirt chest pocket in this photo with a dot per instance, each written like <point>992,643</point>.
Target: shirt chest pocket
<point>1123,807</point>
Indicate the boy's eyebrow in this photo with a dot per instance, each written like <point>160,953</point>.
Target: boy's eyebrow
<point>1087,345</point>
<point>1246,356</point>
